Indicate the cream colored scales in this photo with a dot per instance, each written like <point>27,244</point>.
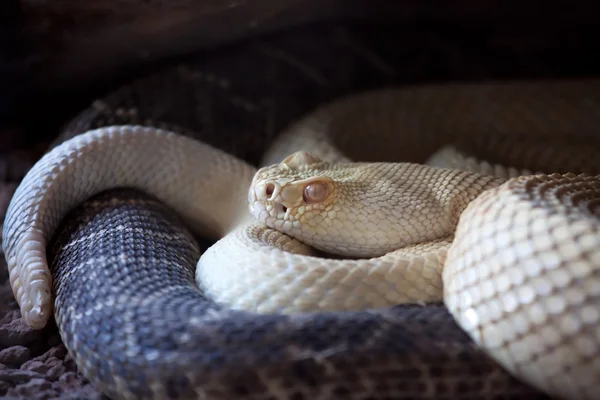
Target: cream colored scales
<point>516,261</point>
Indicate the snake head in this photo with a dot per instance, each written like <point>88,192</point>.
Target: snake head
<point>292,196</point>
<point>347,209</point>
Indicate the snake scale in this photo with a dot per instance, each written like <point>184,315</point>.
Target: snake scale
<point>142,322</point>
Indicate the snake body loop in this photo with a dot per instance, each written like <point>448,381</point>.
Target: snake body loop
<point>305,296</point>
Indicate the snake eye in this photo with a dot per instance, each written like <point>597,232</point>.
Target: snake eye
<point>316,192</point>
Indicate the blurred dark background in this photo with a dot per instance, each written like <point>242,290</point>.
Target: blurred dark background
<point>58,55</point>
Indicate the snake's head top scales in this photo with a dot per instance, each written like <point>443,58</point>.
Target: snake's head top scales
<point>291,196</point>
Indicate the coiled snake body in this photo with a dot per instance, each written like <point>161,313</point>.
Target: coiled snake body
<point>513,256</point>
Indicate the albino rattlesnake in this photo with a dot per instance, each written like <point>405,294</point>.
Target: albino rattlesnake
<point>521,275</point>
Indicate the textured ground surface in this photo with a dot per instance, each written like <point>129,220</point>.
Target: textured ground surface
<point>33,364</point>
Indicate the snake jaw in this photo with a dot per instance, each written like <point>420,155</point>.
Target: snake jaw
<point>289,203</point>
<point>267,204</point>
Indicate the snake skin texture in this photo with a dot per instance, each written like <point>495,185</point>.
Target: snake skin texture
<point>110,371</point>
<point>195,348</point>
<point>533,299</point>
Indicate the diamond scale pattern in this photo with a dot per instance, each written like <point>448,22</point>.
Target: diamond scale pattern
<point>527,288</point>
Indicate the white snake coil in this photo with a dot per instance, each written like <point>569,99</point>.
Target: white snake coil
<point>515,259</point>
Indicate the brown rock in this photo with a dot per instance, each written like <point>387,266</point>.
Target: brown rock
<point>57,368</point>
<point>17,376</point>
<point>16,332</point>
<point>57,352</point>
<point>37,388</point>
<point>14,356</point>
<point>36,366</point>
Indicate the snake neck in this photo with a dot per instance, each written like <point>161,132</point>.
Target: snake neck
<point>453,190</point>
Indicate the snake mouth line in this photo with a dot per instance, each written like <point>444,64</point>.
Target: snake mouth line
<point>279,211</point>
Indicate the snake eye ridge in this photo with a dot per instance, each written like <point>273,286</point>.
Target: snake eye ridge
<point>316,192</point>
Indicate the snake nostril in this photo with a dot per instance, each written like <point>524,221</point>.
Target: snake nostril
<point>270,189</point>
